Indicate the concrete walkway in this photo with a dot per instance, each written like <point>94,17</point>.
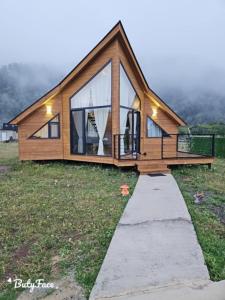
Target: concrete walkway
<point>154,253</point>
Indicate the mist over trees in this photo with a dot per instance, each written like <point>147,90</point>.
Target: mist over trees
<point>22,84</point>
<point>196,107</point>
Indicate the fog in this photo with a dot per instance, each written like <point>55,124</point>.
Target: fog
<point>180,45</point>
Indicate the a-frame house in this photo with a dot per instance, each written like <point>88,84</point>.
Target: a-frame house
<point>103,111</point>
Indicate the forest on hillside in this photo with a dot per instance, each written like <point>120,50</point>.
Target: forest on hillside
<point>22,84</point>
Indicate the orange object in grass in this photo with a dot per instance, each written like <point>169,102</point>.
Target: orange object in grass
<point>124,190</point>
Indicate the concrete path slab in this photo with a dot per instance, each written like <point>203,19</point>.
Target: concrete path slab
<point>154,244</point>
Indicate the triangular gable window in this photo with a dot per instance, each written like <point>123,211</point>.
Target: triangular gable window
<point>50,130</point>
<point>96,92</point>
<point>128,96</point>
<point>154,130</point>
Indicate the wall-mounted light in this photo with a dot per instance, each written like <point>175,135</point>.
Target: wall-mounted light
<point>154,112</point>
<point>136,104</point>
<point>48,109</point>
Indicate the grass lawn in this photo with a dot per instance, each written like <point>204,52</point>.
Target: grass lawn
<point>56,212</point>
<point>60,216</point>
<point>209,216</point>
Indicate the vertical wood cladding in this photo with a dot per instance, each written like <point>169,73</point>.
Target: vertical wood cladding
<point>40,149</point>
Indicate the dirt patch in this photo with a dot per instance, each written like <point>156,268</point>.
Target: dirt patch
<point>4,169</point>
<point>66,289</point>
<point>55,265</point>
<point>19,256</point>
<point>21,252</point>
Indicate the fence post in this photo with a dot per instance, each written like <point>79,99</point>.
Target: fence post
<point>114,147</point>
<point>213,145</point>
<point>119,136</point>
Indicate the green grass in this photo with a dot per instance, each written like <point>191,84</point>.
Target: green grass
<point>58,209</point>
<point>203,145</point>
<point>69,211</point>
<point>209,216</point>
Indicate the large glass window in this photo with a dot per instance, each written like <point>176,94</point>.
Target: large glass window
<point>91,128</point>
<point>50,130</point>
<point>98,131</point>
<point>129,107</point>
<point>128,96</point>
<point>97,92</point>
<point>153,130</point>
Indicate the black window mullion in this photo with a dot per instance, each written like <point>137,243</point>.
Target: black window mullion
<point>84,132</point>
<point>49,130</point>
<point>132,138</point>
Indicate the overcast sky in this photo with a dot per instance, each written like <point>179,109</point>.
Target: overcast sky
<point>177,42</point>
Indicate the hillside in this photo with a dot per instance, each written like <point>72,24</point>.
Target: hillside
<point>21,84</point>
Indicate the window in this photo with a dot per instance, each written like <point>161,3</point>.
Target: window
<point>97,92</point>
<point>128,96</point>
<point>51,130</point>
<point>153,130</point>
<point>129,115</point>
<point>91,120</point>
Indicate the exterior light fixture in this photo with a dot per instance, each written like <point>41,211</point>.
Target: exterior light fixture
<point>136,104</point>
<point>48,109</point>
<point>154,112</point>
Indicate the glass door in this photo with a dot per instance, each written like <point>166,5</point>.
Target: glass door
<point>91,131</point>
<point>130,133</point>
<point>78,131</point>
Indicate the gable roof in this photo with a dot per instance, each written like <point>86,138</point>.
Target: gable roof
<point>116,31</point>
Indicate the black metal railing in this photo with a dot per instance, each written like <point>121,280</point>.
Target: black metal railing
<point>126,146</point>
<point>188,145</point>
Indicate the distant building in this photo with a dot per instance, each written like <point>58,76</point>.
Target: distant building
<point>8,133</point>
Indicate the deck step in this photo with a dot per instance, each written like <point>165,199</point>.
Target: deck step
<point>148,168</point>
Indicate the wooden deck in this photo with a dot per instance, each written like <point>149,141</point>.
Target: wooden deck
<point>163,165</point>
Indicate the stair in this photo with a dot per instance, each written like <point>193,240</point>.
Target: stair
<point>147,167</point>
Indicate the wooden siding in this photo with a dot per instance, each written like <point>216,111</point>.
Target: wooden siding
<point>40,149</point>
<point>152,147</point>
<point>108,54</point>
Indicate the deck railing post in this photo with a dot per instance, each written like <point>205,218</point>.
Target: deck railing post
<point>213,145</point>
<point>114,147</point>
<point>162,146</point>
<point>119,137</point>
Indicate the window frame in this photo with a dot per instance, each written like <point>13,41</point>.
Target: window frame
<point>164,133</point>
<point>83,110</point>
<point>49,122</point>
<point>86,82</point>
<point>71,110</point>
<point>131,83</point>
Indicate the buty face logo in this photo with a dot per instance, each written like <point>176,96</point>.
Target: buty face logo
<point>39,283</point>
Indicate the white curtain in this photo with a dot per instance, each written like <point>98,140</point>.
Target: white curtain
<point>78,121</point>
<point>101,117</point>
<point>82,98</point>
<point>130,122</point>
<point>99,86</point>
<point>127,93</point>
<point>101,95</point>
<point>123,122</point>
<point>153,129</point>
<point>97,92</point>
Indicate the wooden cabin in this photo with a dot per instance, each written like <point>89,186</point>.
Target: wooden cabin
<point>103,111</point>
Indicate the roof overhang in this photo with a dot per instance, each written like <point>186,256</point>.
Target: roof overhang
<point>116,32</point>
